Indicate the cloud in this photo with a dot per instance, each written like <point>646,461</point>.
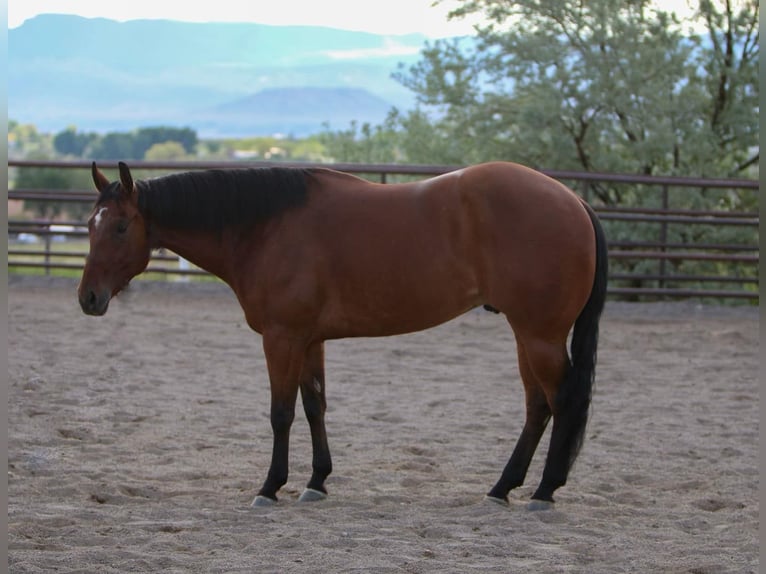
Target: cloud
<point>389,48</point>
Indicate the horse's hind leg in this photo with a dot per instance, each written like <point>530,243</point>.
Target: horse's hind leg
<point>537,416</point>
<point>315,405</point>
<point>550,364</point>
<point>570,416</point>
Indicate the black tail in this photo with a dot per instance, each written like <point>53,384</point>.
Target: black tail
<point>577,388</point>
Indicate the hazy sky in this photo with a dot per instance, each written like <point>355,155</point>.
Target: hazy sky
<point>378,16</point>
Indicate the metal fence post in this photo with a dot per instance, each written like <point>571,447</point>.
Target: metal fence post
<point>663,237</point>
<point>48,250</point>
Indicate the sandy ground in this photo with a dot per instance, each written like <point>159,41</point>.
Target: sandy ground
<point>137,441</point>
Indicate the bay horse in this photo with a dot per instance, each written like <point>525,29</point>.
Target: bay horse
<point>316,254</point>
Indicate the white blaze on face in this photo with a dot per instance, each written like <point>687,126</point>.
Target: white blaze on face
<point>98,216</point>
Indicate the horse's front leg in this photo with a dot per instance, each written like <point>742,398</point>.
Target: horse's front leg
<point>315,405</point>
<point>285,358</point>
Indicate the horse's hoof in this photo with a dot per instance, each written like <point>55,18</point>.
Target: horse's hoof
<point>536,505</point>
<point>261,501</point>
<point>312,495</point>
<point>496,500</point>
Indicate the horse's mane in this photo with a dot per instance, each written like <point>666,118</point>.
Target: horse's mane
<point>218,198</point>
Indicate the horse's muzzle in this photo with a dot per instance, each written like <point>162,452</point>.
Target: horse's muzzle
<point>94,303</point>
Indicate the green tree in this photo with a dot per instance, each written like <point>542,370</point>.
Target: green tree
<point>410,137</point>
<point>166,151</point>
<point>114,146</point>
<point>144,138</point>
<point>730,80</point>
<point>599,86</point>
<point>361,143</point>
<point>307,149</point>
<point>24,140</point>
<point>60,179</point>
<point>135,144</point>
<point>70,142</point>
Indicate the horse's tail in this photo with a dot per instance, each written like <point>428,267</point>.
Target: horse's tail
<point>577,389</point>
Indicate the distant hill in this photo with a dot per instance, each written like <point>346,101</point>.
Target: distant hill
<point>218,78</point>
<point>290,110</point>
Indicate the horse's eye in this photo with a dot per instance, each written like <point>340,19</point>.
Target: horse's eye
<point>122,226</point>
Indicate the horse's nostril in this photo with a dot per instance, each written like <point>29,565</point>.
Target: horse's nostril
<point>89,301</point>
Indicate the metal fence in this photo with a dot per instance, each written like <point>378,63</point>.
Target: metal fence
<point>651,267</point>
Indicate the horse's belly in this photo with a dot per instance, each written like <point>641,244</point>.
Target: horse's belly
<point>402,300</point>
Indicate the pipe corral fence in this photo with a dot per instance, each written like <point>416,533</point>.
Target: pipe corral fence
<point>647,265</point>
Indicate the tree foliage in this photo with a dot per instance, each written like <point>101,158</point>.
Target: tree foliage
<point>166,151</point>
<point>73,143</point>
<point>730,79</point>
<point>60,179</point>
<point>605,86</point>
<point>122,145</point>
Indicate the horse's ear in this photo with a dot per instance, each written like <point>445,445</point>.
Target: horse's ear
<point>98,178</point>
<point>125,178</point>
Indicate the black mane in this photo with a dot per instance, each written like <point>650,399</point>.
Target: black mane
<point>214,199</point>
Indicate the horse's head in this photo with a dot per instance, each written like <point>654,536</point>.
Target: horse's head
<point>119,246</point>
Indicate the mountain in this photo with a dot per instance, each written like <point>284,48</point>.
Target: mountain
<point>218,78</point>
<point>291,110</point>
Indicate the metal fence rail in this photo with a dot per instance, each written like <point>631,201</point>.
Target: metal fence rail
<point>740,279</point>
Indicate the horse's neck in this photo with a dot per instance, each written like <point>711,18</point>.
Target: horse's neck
<point>204,249</point>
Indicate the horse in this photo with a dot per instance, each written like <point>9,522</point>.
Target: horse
<point>314,254</point>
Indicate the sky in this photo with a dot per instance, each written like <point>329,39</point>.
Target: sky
<point>388,17</point>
